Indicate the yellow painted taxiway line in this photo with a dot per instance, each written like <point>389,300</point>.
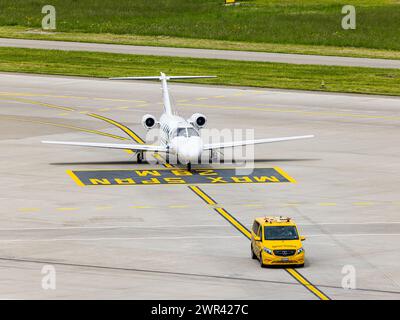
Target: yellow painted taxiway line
<point>285,175</point>
<point>75,178</point>
<point>300,278</point>
<point>203,195</point>
<point>65,126</point>
<point>124,128</point>
<point>48,105</point>
<point>234,222</point>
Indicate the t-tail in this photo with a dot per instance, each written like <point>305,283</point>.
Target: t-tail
<point>164,78</point>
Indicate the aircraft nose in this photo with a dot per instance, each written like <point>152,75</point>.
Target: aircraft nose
<point>191,150</point>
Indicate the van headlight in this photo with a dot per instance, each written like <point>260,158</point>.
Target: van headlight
<point>300,250</point>
<point>269,251</point>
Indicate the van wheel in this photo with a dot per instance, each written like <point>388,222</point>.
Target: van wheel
<point>253,255</point>
<point>261,261</point>
<point>300,265</point>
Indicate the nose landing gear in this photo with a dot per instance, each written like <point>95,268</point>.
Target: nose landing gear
<point>189,166</point>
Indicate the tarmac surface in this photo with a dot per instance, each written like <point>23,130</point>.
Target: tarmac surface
<point>164,241</point>
<point>203,53</point>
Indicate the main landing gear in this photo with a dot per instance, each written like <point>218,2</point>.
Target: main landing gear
<point>139,157</point>
<point>189,167</point>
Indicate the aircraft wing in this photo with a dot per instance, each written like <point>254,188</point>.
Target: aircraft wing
<point>249,142</point>
<point>126,146</point>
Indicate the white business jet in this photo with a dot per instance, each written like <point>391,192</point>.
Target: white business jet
<point>179,137</point>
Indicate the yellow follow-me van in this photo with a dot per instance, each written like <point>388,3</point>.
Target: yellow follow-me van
<point>276,241</point>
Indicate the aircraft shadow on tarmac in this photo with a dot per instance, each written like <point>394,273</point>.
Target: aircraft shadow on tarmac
<point>147,163</point>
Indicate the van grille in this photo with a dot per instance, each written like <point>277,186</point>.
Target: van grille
<point>284,253</point>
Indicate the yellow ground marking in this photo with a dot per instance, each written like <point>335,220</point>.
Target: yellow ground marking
<point>285,175</point>
<point>136,138</point>
<point>28,209</point>
<point>72,127</point>
<point>66,126</point>
<point>27,94</point>
<point>234,222</point>
<point>161,159</point>
<point>75,178</point>
<point>363,203</point>
<point>291,204</point>
<point>257,91</point>
<point>178,206</point>
<point>141,207</point>
<point>168,165</point>
<point>124,128</point>
<point>67,209</point>
<point>202,195</point>
<point>307,113</point>
<point>119,100</point>
<point>201,98</point>
<point>48,105</point>
<point>327,204</point>
<point>295,274</point>
<point>103,207</point>
<point>181,101</point>
<point>103,109</point>
<point>221,211</point>
<point>219,97</point>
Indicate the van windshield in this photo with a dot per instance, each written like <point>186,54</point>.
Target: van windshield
<point>280,233</point>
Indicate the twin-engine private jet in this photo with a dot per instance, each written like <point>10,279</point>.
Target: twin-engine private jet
<point>179,137</point>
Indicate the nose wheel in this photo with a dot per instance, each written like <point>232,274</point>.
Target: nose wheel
<point>189,166</point>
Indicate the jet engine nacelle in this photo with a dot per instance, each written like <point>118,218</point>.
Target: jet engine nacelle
<point>198,120</point>
<point>149,122</point>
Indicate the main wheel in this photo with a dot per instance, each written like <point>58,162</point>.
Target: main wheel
<point>139,157</point>
<point>253,255</point>
<point>261,261</point>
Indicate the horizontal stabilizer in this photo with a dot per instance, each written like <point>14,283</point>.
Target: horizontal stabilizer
<point>162,77</point>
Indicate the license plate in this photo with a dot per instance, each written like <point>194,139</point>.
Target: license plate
<point>285,259</point>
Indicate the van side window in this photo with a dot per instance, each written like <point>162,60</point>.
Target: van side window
<point>259,232</point>
<point>256,226</point>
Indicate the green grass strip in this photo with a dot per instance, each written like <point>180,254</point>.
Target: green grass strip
<point>235,73</point>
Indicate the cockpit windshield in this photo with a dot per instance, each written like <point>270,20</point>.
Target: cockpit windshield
<point>181,132</point>
<point>185,132</point>
<point>192,132</point>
